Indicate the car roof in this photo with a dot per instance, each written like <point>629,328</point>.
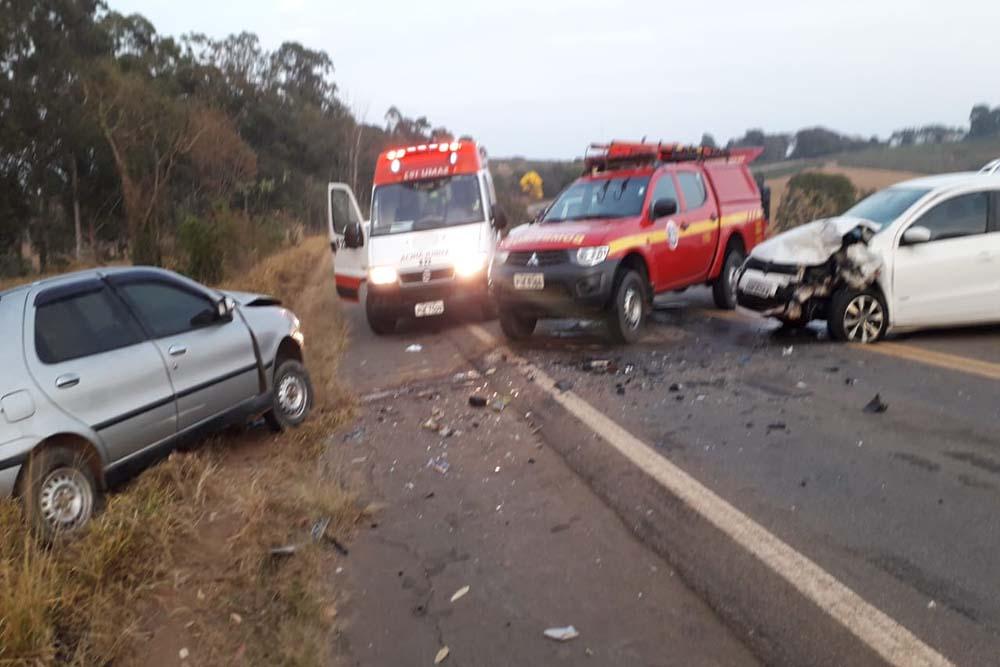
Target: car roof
<point>66,278</point>
<point>946,181</point>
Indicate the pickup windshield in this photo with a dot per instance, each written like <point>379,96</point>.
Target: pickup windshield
<point>886,205</point>
<point>619,197</point>
<point>428,204</point>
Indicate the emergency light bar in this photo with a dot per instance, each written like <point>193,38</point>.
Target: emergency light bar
<point>443,147</point>
<point>622,153</point>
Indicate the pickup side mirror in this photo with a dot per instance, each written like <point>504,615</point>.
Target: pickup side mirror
<point>664,207</point>
<point>916,235</point>
<point>354,235</point>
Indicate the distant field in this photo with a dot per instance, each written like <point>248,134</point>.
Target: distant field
<point>862,178</point>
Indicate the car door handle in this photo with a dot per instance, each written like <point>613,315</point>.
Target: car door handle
<point>177,350</point>
<point>713,218</point>
<point>685,225</point>
<point>67,381</point>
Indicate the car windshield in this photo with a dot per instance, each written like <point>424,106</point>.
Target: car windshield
<point>619,197</point>
<point>886,205</point>
<point>427,204</point>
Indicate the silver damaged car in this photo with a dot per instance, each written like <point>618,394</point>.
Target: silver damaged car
<point>102,372</point>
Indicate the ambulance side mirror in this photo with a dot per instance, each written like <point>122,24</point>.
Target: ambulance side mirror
<point>499,219</point>
<point>664,207</point>
<point>354,236</point>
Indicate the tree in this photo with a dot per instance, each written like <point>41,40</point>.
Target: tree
<point>983,122</point>
<point>531,185</point>
<point>708,141</point>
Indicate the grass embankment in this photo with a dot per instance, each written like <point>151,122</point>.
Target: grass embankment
<point>180,558</point>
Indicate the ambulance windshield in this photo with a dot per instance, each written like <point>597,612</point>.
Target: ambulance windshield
<point>398,208</point>
<point>620,197</point>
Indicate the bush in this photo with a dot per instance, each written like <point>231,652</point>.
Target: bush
<point>812,196</point>
<point>202,243</point>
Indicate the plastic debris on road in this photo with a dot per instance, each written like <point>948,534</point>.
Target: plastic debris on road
<point>564,385</point>
<point>477,401</point>
<point>460,593</point>
<point>442,655</point>
<point>788,351</point>
<point>876,405</point>
<point>440,464</point>
<point>416,347</point>
<point>562,634</point>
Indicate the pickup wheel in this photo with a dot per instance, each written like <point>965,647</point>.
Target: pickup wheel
<point>628,308</point>
<point>59,492</point>
<point>516,327</point>
<point>724,287</point>
<point>291,396</point>
<point>379,322</point>
<point>857,317</point>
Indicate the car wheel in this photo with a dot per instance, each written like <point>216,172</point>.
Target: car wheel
<point>516,327</point>
<point>291,396</point>
<point>857,317</point>
<point>379,322</point>
<point>628,308</point>
<point>724,287</point>
<point>59,492</point>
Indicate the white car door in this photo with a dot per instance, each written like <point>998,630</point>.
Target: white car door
<point>953,277</point>
<point>350,265</point>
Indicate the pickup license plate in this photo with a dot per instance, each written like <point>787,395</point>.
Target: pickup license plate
<point>762,289</point>
<point>429,309</point>
<point>533,281</point>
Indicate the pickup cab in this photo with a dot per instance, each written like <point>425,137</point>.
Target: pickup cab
<point>643,219</point>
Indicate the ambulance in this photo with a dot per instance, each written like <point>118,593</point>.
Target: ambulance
<point>433,230</point>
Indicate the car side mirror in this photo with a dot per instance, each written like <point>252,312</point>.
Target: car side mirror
<point>916,235</point>
<point>224,309</point>
<point>499,219</point>
<point>354,235</point>
<point>664,207</point>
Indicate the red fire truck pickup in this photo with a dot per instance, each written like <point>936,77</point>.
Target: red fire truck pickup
<point>642,220</point>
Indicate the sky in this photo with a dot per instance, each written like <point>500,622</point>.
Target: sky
<point>544,79</point>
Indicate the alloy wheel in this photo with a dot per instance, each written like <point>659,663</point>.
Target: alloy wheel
<point>864,319</point>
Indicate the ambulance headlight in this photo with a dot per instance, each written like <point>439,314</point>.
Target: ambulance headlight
<point>383,275</point>
<point>501,257</point>
<point>470,265</point>
<point>591,256</point>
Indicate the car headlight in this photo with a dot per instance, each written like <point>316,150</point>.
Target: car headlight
<point>470,265</point>
<point>592,256</point>
<point>383,275</point>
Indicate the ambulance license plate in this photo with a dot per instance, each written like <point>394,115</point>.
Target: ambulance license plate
<point>533,281</point>
<point>761,289</point>
<point>429,309</point>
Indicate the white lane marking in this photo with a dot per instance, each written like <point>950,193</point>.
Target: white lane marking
<point>897,645</point>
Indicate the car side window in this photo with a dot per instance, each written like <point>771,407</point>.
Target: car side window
<point>665,188</point>
<point>965,215</point>
<point>167,310</point>
<point>693,188</point>
<point>995,211</point>
<point>83,325</point>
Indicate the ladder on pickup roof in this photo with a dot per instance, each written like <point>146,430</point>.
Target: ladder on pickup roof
<point>623,154</point>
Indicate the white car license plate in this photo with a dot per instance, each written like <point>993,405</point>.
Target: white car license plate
<point>760,288</point>
<point>529,281</point>
<point>429,308</point>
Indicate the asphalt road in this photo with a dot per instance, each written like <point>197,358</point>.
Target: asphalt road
<point>898,506</point>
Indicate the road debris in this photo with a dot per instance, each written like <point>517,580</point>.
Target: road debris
<point>235,618</point>
<point>467,375</point>
<point>564,385</point>
<point>477,401</point>
<point>440,464</point>
<point>675,387</point>
<point>460,593</point>
<point>620,389</point>
<point>416,347</point>
<point>599,366</point>
<point>777,426</point>
<point>183,654</point>
<point>876,405</point>
<point>318,530</point>
<point>284,552</point>
<point>432,425</point>
<point>562,634</point>
<point>499,403</point>
<point>442,655</point>
<point>788,351</point>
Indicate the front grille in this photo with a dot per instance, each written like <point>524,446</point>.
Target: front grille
<point>426,276</point>
<point>772,267</point>
<point>545,257</point>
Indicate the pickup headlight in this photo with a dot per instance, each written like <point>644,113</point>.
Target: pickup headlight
<point>591,256</point>
<point>383,275</point>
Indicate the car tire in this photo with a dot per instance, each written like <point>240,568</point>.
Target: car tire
<point>628,308</point>
<point>857,317</point>
<point>291,396</point>
<point>516,327</point>
<point>379,322</point>
<point>59,492</point>
<point>724,287</point>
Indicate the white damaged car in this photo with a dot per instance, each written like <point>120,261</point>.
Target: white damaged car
<point>923,253</point>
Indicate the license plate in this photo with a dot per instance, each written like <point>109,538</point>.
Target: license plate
<point>758,288</point>
<point>429,308</point>
<point>529,281</point>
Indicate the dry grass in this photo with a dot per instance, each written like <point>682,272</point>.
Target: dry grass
<point>181,558</point>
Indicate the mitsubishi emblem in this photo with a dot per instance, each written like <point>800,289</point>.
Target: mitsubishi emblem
<point>426,276</point>
<point>533,260</point>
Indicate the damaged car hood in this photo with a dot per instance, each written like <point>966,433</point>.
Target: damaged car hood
<point>249,299</point>
<point>810,244</point>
